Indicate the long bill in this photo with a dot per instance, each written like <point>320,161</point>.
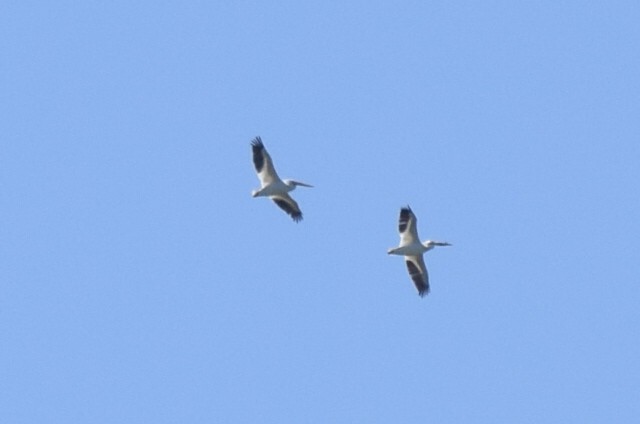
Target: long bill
<point>441,243</point>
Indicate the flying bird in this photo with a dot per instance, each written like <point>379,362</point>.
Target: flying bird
<point>412,249</point>
<point>271,185</point>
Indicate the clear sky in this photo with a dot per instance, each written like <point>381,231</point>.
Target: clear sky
<point>141,282</point>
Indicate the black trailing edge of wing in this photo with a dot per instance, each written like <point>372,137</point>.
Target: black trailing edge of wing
<point>420,280</point>
<point>405,215</point>
<point>289,209</point>
<point>258,148</point>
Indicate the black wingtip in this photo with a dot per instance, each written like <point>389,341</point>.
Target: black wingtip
<point>258,156</point>
<point>257,142</point>
<point>292,211</point>
<point>403,222</point>
<point>295,215</point>
<point>420,281</point>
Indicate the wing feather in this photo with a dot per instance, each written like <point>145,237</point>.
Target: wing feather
<point>287,204</point>
<point>418,273</point>
<point>407,226</point>
<point>263,163</point>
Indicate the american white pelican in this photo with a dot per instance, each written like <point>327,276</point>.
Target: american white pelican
<point>271,185</point>
<point>412,249</point>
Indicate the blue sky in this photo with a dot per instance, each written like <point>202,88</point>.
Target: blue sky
<point>140,282</point>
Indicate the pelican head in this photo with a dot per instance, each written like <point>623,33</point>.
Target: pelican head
<point>293,184</point>
<point>430,244</point>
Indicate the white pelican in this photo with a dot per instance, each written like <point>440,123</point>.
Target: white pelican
<point>271,185</point>
<point>412,249</point>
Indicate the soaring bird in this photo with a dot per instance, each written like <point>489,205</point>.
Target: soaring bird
<point>271,185</point>
<point>412,249</point>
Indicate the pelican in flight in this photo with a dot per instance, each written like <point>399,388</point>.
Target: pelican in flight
<point>271,185</point>
<point>412,249</point>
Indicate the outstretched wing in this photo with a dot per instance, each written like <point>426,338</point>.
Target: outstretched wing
<point>287,204</point>
<point>418,273</point>
<point>407,226</point>
<point>263,163</point>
